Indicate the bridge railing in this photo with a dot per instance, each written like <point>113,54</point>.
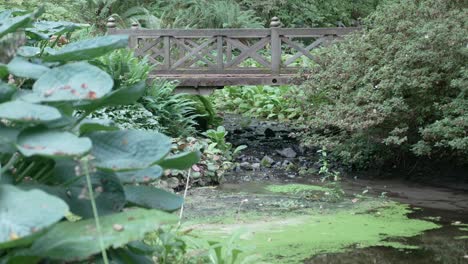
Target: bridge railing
<point>228,53</point>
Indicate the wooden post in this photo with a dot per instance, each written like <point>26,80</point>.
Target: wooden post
<point>111,26</point>
<point>167,52</point>
<point>220,54</point>
<point>275,24</point>
<point>133,42</point>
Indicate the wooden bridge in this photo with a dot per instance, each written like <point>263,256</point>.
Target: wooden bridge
<point>207,58</point>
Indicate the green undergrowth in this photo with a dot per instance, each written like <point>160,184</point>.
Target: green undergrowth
<point>295,237</point>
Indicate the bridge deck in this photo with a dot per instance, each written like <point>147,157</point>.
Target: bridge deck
<point>218,80</point>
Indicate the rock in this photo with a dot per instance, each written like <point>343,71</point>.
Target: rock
<point>256,166</point>
<point>287,153</point>
<point>173,182</point>
<point>269,132</point>
<point>267,161</point>
<point>246,166</point>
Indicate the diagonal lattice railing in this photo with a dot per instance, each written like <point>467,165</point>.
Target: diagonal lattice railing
<point>218,57</point>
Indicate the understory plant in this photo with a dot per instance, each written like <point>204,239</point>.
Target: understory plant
<point>270,102</point>
<point>396,91</point>
<point>71,187</point>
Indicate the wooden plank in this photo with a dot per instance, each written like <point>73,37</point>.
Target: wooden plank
<point>313,45</point>
<point>195,44</point>
<point>247,51</point>
<point>228,51</point>
<point>192,53</point>
<point>297,47</point>
<point>275,51</point>
<point>193,33</point>
<point>148,45</point>
<point>220,53</point>
<point>236,71</point>
<point>221,80</point>
<point>167,52</point>
<point>316,32</point>
<point>200,57</point>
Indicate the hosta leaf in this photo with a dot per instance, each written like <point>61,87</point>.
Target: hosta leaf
<point>20,111</point>
<point>11,24</point>
<point>92,125</point>
<point>8,137</point>
<point>108,192</point>
<point>121,96</point>
<point>23,213</point>
<point>52,143</point>
<point>89,49</point>
<point>180,161</point>
<point>73,82</point>
<point>128,149</point>
<point>140,176</point>
<point>151,197</point>
<point>22,68</point>
<point>79,240</point>
<point>6,91</point>
<point>43,30</point>
<point>28,51</point>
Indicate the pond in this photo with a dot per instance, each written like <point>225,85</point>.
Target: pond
<point>274,214</point>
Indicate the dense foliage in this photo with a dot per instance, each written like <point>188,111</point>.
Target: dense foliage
<point>56,163</point>
<point>269,102</point>
<point>312,13</point>
<point>397,89</point>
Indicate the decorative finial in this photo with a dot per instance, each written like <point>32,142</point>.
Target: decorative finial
<point>275,22</point>
<point>135,25</point>
<point>110,22</point>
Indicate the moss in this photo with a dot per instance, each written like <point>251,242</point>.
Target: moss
<point>295,188</point>
<point>292,239</point>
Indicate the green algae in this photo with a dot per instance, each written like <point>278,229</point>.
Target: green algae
<point>291,239</point>
<point>295,188</point>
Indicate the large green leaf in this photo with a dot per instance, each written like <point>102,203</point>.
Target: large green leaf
<point>151,197</point>
<point>43,30</point>
<point>88,49</point>
<point>28,51</point>
<point>8,137</point>
<point>126,256</point>
<point>128,149</point>
<point>6,91</point>
<point>92,125</point>
<point>22,68</point>
<point>180,161</point>
<point>52,143</point>
<point>122,96</point>
<point>20,111</point>
<point>11,23</point>
<point>79,240</point>
<point>73,82</point>
<point>140,176</point>
<point>108,192</point>
<point>24,213</point>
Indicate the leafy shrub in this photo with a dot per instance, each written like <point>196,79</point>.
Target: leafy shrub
<point>205,14</point>
<point>174,112</point>
<point>271,102</point>
<point>312,13</point>
<point>64,165</point>
<point>396,89</point>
